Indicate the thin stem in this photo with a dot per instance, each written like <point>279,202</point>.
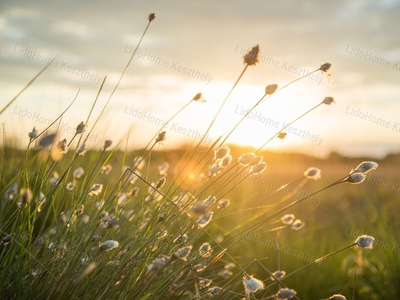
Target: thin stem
<point>317,261</point>
<point>287,125</point>
<point>278,212</point>
<point>26,86</point>
<point>222,105</point>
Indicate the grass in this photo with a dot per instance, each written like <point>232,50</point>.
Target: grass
<point>144,232</point>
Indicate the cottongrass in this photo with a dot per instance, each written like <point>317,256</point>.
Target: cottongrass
<point>108,245</point>
<point>158,222</point>
<point>251,284</point>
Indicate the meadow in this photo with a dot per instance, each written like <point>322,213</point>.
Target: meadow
<point>200,221</point>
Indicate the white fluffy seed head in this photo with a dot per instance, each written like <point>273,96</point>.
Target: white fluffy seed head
<point>297,225</point>
<point>258,168</point>
<point>159,263</point>
<point>251,284</point>
<point>288,219</point>
<point>214,169</point>
<point>366,167</point>
<point>226,161</point>
<point>33,134</point>
<point>182,253</point>
<point>109,245</point>
<point>313,173</point>
<point>285,293</point>
<point>78,172</point>
<point>355,178</point>
<point>221,152</point>
<point>214,290</point>
<point>204,219</point>
<point>223,203</point>
<point>82,149</point>
<point>365,241</point>
<point>95,189</point>
<point>205,250</point>
<point>278,275</point>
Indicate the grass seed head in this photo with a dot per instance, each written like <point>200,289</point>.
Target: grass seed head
<point>288,219</point>
<point>366,167</point>
<point>298,224</point>
<point>215,290</point>
<point>159,263</point>
<point>182,253</point>
<point>205,250</point>
<point>107,144</point>
<point>111,222</point>
<point>78,173</point>
<point>33,134</point>
<point>222,152</point>
<point>365,241</point>
<point>199,98</point>
<point>252,58</point>
<point>278,275</point>
<point>199,268</point>
<point>205,282</point>
<point>325,67</point>
<point>161,137</point>
<point>6,240</point>
<point>258,168</point>
<point>223,203</point>
<point>285,293</point>
<point>226,161</point>
<point>151,17</point>
<point>80,128</point>
<point>270,89</point>
<point>282,135</point>
<point>328,100</point>
<point>109,245</point>
<point>251,284</point>
<point>313,173</point>
<point>225,273</point>
<point>95,189</point>
<point>246,158</point>
<point>160,183</point>
<point>214,169</point>
<point>106,169</point>
<point>82,149</point>
<point>355,178</point>
<point>180,239</point>
<point>204,219</point>
<point>70,185</point>
<point>229,266</point>
<point>11,192</point>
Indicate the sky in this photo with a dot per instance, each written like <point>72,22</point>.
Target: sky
<point>194,47</point>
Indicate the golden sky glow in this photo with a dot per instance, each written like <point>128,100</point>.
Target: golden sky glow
<point>198,47</point>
